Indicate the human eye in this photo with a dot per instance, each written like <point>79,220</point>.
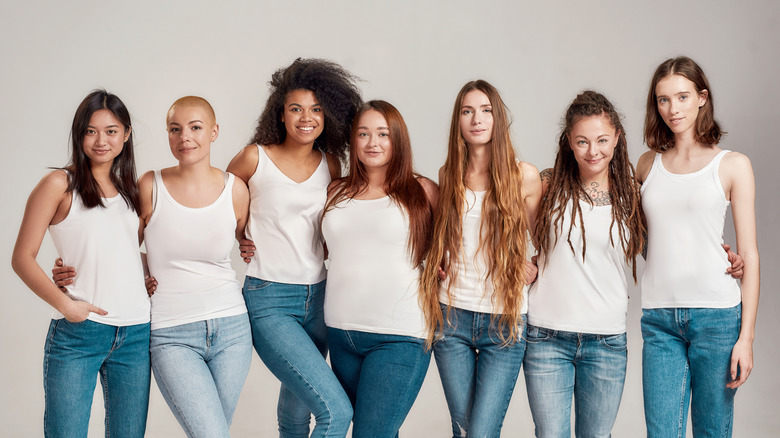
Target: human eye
<point>683,97</point>
<point>362,134</point>
<point>465,112</point>
<point>316,110</point>
<point>384,134</point>
<point>91,131</point>
<point>488,110</point>
<point>662,100</point>
<point>196,128</point>
<point>173,130</point>
<point>112,131</point>
<point>582,143</point>
<point>602,140</point>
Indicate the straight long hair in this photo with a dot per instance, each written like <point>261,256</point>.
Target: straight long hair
<point>566,187</point>
<point>123,177</point>
<point>503,230</point>
<point>401,183</point>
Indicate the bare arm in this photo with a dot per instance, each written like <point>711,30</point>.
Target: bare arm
<point>244,164</point>
<point>334,166</point>
<point>740,181</point>
<point>532,192</point>
<point>43,208</point>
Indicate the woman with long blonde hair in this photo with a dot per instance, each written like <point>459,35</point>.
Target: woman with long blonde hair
<point>472,286</point>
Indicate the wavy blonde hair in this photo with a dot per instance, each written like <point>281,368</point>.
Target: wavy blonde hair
<point>503,229</point>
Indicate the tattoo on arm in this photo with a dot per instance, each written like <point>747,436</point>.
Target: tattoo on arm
<point>546,176</point>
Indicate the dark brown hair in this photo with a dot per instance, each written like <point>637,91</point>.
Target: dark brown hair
<point>565,186</point>
<point>658,136</point>
<point>334,89</point>
<point>122,174</point>
<point>400,181</point>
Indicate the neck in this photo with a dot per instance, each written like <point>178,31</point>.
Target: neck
<point>479,157</point>
<point>300,150</point>
<point>196,171</point>
<point>376,177</point>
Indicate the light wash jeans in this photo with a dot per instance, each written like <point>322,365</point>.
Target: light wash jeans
<point>200,369</point>
<point>382,375</point>
<point>686,359</point>
<point>477,371</point>
<point>589,367</point>
<point>75,353</point>
<point>290,337</point>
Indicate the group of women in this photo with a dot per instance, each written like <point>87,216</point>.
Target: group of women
<point>414,269</point>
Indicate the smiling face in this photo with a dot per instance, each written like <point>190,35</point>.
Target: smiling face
<point>302,117</point>
<point>191,130</point>
<point>678,104</point>
<point>105,137</point>
<point>592,140</point>
<point>476,118</point>
<point>372,141</point>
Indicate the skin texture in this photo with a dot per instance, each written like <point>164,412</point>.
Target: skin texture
<point>678,102</point>
<point>593,140</point>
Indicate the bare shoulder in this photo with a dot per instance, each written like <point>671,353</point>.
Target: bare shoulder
<point>334,165</point>
<point>643,165</point>
<point>239,189</point>
<point>736,161</point>
<point>441,174</point>
<point>531,179</point>
<point>55,181</point>
<point>244,164</point>
<point>146,182</point>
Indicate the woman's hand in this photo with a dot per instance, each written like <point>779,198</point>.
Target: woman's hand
<point>442,274</point>
<point>741,363</point>
<point>737,263</point>
<point>62,275</point>
<point>78,311</point>
<point>531,270</point>
<point>247,248</point>
<point>151,285</point>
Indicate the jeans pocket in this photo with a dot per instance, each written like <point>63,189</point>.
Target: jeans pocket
<point>255,284</point>
<point>536,334</point>
<point>614,342</point>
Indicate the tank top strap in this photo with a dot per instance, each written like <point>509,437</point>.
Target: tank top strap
<point>715,169</point>
<point>653,170</point>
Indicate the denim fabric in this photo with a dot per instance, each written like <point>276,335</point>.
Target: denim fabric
<point>686,358</point>
<point>589,367</point>
<point>290,337</point>
<point>75,353</point>
<point>200,369</point>
<point>477,371</point>
<point>382,375</point>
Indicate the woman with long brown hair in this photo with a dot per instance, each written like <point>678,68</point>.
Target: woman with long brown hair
<point>476,316</point>
<point>377,225</point>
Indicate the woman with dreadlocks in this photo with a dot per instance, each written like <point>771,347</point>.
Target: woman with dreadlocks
<point>589,229</point>
<point>476,316</point>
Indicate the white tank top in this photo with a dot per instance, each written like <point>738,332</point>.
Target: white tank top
<point>686,265</point>
<point>188,251</point>
<point>470,290</point>
<point>577,296</point>
<point>102,244</point>
<point>284,223</point>
<point>372,282</point>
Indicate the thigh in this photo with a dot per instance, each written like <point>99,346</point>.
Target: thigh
<point>345,360</point>
<point>185,380</point>
<point>549,379</point>
<point>600,376</point>
<point>392,374</point>
<point>713,333</point>
<point>665,373</point>
<point>126,376</point>
<point>456,361</point>
<point>73,355</point>
<point>498,367</point>
<point>229,360</point>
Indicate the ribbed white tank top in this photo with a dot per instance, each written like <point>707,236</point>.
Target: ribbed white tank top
<point>470,290</point>
<point>188,252</point>
<point>372,283</point>
<point>102,244</point>
<point>284,223</point>
<point>577,296</point>
<point>686,266</point>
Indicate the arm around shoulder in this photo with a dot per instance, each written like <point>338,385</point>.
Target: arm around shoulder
<point>240,207</point>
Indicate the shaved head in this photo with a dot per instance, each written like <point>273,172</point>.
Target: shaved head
<point>196,102</point>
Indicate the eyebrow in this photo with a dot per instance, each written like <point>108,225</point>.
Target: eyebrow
<point>298,104</point>
<point>109,126</point>
<point>381,127</point>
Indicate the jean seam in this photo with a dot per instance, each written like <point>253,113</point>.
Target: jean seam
<point>104,383</point>
<point>681,412</point>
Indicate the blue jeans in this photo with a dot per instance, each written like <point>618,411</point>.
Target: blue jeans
<point>382,375</point>
<point>591,367</point>
<point>200,369</point>
<point>477,371</point>
<point>290,337</point>
<point>75,353</point>
<point>686,358</point>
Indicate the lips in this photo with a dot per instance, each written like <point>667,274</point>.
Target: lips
<point>306,129</point>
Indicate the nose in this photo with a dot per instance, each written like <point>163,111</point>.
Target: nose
<point>592,149</point>
<point>101,138</point>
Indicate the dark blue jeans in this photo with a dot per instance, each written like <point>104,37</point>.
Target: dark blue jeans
<point>382,375</point>
<point>478,371</point>
<point>75,353</point>
<point>289,334</point>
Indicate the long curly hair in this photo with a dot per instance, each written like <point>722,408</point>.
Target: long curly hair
<point>658,136</point>
<point>335,90</point>
<point>503,229</point>
<point>565,186</point>
<point>123,176</point>
<point>400,182</point>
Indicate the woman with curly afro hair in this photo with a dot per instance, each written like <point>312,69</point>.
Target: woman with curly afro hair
<point>300,141</point>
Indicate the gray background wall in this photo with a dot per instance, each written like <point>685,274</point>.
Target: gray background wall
<point>414,54</point>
